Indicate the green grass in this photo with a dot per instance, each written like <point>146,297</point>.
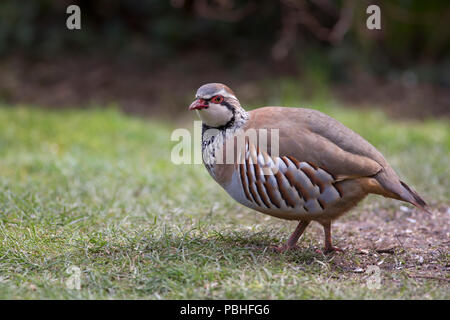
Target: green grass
<point>96,189</point>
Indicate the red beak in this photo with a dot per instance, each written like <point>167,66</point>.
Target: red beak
<point>198,105</point>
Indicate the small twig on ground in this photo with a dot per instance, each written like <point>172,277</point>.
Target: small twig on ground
<point>400,242</point>
<point>429,277</point>
<point>387,250</point>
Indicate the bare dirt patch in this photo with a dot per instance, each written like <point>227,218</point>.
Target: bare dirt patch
<point>407,241</point>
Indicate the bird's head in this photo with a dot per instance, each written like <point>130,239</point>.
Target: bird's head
<point>216,105</point>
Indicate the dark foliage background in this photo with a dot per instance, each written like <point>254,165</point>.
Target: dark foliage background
<point>320,39</point>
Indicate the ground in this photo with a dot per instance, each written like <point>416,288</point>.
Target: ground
<point>95,189</point>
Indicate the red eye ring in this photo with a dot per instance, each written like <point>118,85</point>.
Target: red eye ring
<point>217,99</point>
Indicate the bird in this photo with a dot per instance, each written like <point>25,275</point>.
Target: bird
<point>291,163</point>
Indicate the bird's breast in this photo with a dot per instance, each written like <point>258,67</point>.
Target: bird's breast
<point>281,186</point>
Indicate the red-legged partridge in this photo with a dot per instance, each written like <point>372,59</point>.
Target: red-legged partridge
<point>291,163</point>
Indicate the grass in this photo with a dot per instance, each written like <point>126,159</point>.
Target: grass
<point>96,189</point>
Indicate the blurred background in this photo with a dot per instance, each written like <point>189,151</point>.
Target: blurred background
<point>149,57</point>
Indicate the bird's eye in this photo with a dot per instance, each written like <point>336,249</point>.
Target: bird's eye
<point>217,99</point>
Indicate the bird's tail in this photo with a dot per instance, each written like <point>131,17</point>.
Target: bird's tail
<point>416,199</point>
<point>394,188</point>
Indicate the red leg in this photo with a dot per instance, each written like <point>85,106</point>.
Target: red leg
<point>294,237</point>
<point>328,243</point>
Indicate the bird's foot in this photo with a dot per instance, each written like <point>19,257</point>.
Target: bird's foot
<point>283,248</point>
<point>332,250</point>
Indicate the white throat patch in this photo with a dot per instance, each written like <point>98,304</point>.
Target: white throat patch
<point>215,115</point>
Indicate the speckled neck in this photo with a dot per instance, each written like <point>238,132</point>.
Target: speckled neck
<point>214,138</point>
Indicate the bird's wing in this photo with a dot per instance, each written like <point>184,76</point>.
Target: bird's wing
<point>310,136</point>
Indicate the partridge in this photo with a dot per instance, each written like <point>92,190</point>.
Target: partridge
<point>291,163</point>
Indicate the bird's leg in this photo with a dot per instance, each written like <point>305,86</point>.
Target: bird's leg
<point>294,237</point>
<point>328,243</point>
